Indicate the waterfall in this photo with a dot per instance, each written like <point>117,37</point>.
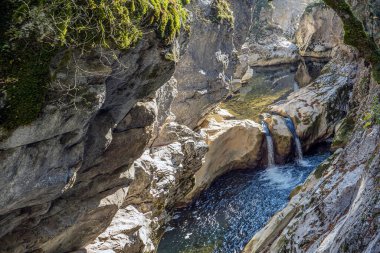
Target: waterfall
<point>271,162</point>
<point>292,129</point>
<point>296,87</point>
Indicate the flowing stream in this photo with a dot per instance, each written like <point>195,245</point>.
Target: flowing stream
<point>226,216</point>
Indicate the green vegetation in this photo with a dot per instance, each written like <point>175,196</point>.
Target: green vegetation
<point>33,31</point>
<point>356,36</point>
<point>24,86</point>
<point>222,11</point>
<point>109,23</point>
<point>295,191</point>
<point>373,116</point>
<point>256,101</point>
<point>320,170</point>
<point>342,137</point>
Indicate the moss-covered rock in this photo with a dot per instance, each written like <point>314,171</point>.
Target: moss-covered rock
<point>32,32</point>
<point>356,36</point>
<point>295,191</point>
<point>342,136</point>
<point>221,11</point>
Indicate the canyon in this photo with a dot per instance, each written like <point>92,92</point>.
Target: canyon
<point>150,129</point>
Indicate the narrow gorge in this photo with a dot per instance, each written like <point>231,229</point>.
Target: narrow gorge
<point>190,126</point>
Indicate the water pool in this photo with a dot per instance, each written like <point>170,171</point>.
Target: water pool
<point>227,215</point>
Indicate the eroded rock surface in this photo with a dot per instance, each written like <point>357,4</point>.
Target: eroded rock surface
<point>101,170</point>
<point>320,31</point>
<point>337,209</point>
<point>162,176</point>
<point>206,68</point>
<point>282,137</point>
<point>226,152</point>
<point>339,203</point>
<point>317,108</point>
<point>68,178</point>
<point>272,35</point>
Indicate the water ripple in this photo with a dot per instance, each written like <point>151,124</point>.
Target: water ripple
<point>226,216</point>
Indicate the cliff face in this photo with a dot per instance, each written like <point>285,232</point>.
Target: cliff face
<point>104,160</point>
<point>63,174</point>
<point>337,209</point>
<point>114,149</point>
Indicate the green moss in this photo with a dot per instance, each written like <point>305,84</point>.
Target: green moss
<point>257,101</point>
<point>32,31</point>
<point>355,35</point>
<point>171,56</point>
<point>88,23</point>
<point>342,137</point>
<point>281,244</point>
<point>25,85</point>
<point>295,191</point>
<point>318,173</point>
<point>222,12</point>
<point>24,74</point>
<point>373,116</point>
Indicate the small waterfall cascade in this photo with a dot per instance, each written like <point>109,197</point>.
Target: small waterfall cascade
<point>292,129</point>
<point>296,87</point>
<point>270,147</point>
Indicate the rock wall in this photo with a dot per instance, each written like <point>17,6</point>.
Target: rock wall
<point>227,152</point>
<point>317,108</point>
<point>205,71</point>
<point>339,203</point>
<point>271,39</point>
<point>115,149</point>
<point>64,174</point>
<point>105,160</point>
<point>320,31</point>
<point>337,209</point>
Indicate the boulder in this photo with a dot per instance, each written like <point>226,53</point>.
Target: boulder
<point>282,137</point>
<point>227,152</point>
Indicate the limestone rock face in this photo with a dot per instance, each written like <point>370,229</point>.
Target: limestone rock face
<point>271,37</point>
<point>88,205</point>
<point>317,108</point>
<point>368,11</point>
<point>205,70</point>
<point>62,176</point>
<point>339,203</point>
<point>320,30</point>
<point>337,209</point>
<point>226,152</point>
<point>162,176</point>
<point>70,179</point>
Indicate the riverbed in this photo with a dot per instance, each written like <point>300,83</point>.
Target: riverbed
<point>227,215</point>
